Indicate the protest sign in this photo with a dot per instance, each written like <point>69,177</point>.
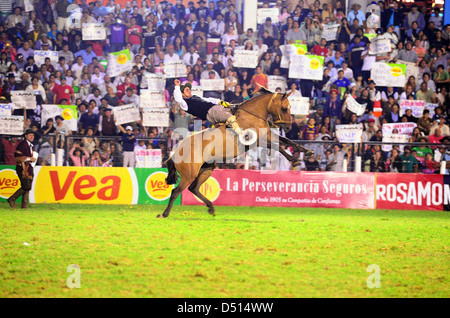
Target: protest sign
<point>155,117</point>
<point>264,13</point>
<point>390,139</point>
<point>306,67</point>
<point>354,106</point>
<point>380,45</point>
<point>155,82</point>
<point>21,99</point>
<point>11,125</point>
<point>386,74</point>
<point>299,105</point>
<point>411,69</point>
<point>349,133</point>
<point>330,31</point>
<point>68,112</point>
<point>370,36</point>
<point>6,109</point>
<point>148,158</point>
<point>93,31</point>
<point>417,107</point>
<point>119,62</point>
<point>403,128</point>
<point>28,5</point>
<point>245,58</point>
<point>275,81</point>
<point>175,69</point>
<point>40,56</point>
<point>288,50</point>
<point>126,114</point>
<point>197,90</point>
<point>152,99</point>
<point>286,55</point>
<point>212,84</point>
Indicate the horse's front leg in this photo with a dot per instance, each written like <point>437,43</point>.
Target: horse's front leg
<point>290,158</point>
<point>288,142</point>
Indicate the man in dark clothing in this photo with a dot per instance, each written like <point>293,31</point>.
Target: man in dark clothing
<point>212,109</point>
<point>24,169</point>
<point>128,141</point>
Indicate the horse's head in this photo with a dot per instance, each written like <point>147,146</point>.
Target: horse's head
<point>280,109</point>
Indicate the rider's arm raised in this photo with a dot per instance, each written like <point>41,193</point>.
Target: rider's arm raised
<point>179,98</point>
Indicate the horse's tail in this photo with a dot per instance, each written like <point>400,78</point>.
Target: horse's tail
<point>172,176</point>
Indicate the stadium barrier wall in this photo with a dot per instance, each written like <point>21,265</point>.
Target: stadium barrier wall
<point>91,185</point>
<point>326,189</point>
<point>100,185</point>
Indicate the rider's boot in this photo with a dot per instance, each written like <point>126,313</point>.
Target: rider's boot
<point>232,122</point>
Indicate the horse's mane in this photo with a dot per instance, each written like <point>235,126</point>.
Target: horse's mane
<point>261,92</point>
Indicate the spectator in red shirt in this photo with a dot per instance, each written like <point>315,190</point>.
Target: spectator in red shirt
<point>63,91</point>
<point>320,49</point>
<point>122,88</point>
<point>10,148</point>
<point>133,35</point>
<point>259,79</point>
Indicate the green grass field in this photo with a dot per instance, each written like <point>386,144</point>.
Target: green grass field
<point>124,251</point>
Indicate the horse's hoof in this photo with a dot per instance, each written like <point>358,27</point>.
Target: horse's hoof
<point>212,212</point>
<point>161,216</point>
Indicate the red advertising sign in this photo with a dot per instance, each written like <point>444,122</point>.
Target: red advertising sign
<point>409,191</point>
<point>287,189</point>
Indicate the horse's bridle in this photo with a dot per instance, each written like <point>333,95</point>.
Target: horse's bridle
<point>279,121</point>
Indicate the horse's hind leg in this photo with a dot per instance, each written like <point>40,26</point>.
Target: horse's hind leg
<point>204,174</point>
<point>184,182</point>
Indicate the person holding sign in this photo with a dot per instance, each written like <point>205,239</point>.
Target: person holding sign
<point>24,157</point>
<point>212,109</point>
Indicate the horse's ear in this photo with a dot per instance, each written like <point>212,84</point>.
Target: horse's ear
<point>287,95</point>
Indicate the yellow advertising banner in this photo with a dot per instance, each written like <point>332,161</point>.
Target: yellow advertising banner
<point>83,185</point>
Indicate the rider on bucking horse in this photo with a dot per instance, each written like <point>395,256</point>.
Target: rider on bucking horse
<point>213,110</point>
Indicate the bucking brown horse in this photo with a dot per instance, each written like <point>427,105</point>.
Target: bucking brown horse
<point>196,156</point>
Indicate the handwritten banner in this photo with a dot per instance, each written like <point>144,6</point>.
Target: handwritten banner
<point>93,32</point>
<point>21,99</point>
<point>40,56</point>
<point>212,84</point>
<point>380,45</point>
<point>275,82</point>
<point>390,75</point>
<point>68,112</point>
<point>11,125</point>
<point>417,107</point>
<point>6,109</point>
<point>390,139</point>
<point>127,114</point>
<point>306,67</point>
<point>155,117</point>
<point>354,106</point>
<point>330,31</point>
<point>155,82</point>
<point>119,62</point>
<point>148,158</point>
<point>175,69</point>
<point>299,105</point>
<point>411,69</point>
<point>264,13</point>
<point>349,133</point>
<point>403,128</point>
<point>152,99</point>
<point>245,58</point>
<point>197,90</point>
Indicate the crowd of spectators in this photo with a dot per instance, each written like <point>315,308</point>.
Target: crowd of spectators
<point>205,36</point>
